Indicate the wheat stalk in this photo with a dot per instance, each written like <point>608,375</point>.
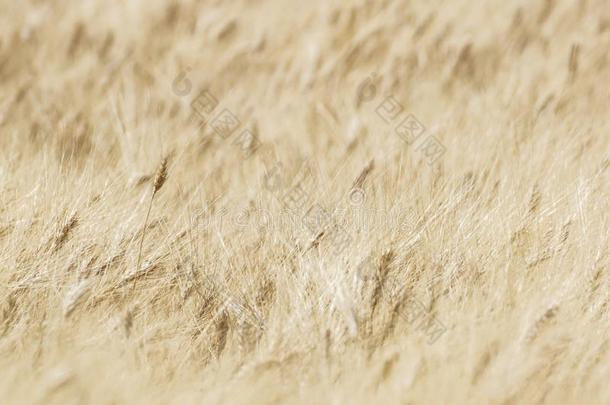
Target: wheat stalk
<point>159,181</point>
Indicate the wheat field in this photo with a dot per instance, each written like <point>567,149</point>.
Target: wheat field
<point>261,202</point>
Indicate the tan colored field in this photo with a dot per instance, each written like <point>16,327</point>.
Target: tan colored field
<point>260,202</point>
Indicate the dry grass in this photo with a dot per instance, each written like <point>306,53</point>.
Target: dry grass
<point>504,239</point>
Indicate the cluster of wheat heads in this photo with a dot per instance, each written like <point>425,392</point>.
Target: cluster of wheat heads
<point>116,287</point>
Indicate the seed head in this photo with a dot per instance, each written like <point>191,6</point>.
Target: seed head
<point>161,176</point>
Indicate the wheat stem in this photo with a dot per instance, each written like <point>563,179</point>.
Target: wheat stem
<point>152,197</point>
<point>158,182</point>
